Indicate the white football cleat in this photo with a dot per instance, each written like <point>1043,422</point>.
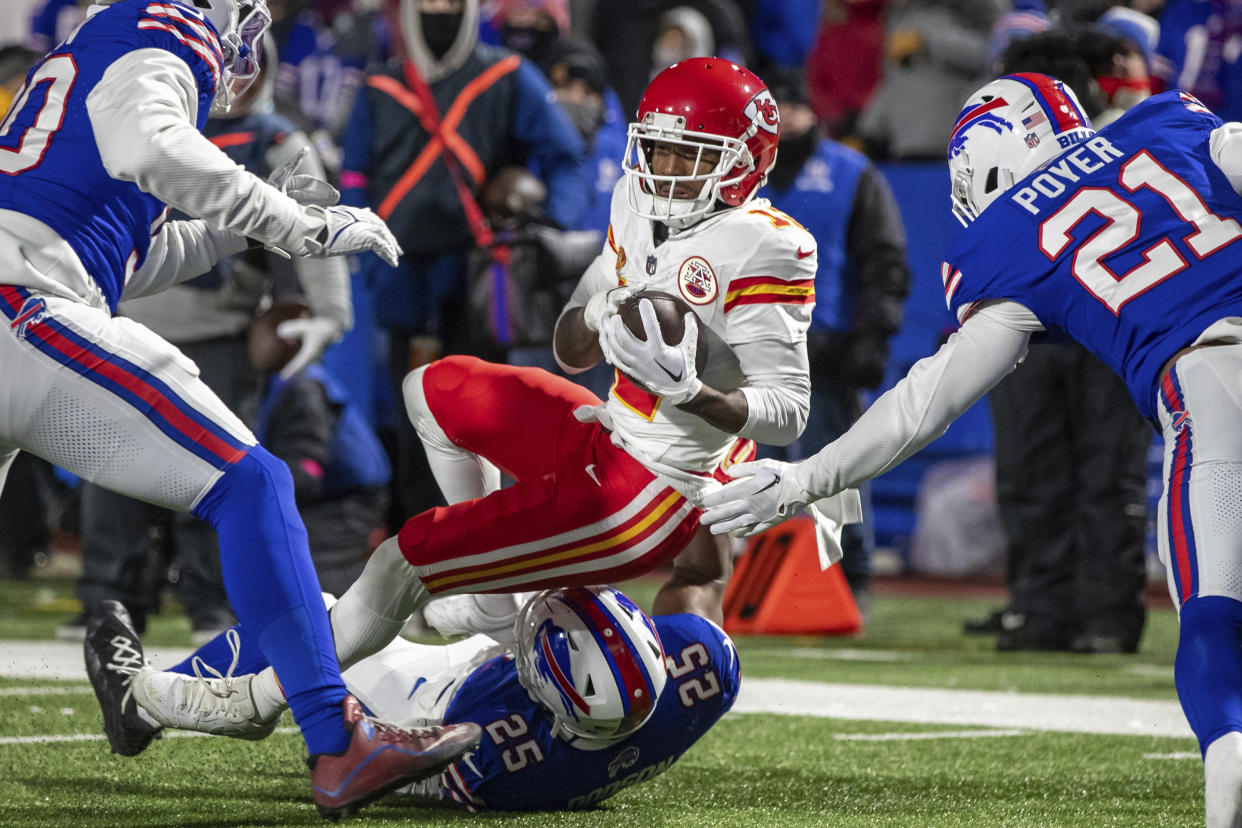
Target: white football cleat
<point>492,614</point>
<point>223,704</point>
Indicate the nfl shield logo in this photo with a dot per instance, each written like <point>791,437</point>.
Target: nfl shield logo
<point>651,265</point>
<point>1032,140</point>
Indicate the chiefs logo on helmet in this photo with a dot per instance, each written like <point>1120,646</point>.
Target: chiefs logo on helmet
<point>763,112</point>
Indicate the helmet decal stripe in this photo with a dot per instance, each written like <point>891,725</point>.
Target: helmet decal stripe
<point>1057,105</point>
<point>628,670</point>
<point>563,681</point>
<point>969,115</point>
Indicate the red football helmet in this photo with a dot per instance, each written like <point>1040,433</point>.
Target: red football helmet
<point>706,105</point>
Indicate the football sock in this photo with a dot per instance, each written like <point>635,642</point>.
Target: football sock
<point>1222,781</point>
<point>269,697</point>
<point>376,606</point>
<point>272,586</point>
<point>1208,667</point>
<point>461,475</point>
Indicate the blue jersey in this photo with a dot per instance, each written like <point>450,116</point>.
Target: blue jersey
<point>1126,242</point>
<point>519,765</point>
<point>48,149</point>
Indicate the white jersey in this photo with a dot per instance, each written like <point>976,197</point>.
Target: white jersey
<point>749,275</point>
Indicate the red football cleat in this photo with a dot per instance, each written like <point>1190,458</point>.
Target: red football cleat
<point>382,757</point>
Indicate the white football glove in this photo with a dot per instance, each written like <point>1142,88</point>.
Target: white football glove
<point>605,303</point>
<point>663,369</point>
<point>315,334</point>
<point>353,230</point>
<point>762,494</point>
<point>303,188</point>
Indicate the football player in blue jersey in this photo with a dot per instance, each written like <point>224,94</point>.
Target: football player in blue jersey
<point>590,697</point>
<point>101,142</point>
<point>1125,240</point>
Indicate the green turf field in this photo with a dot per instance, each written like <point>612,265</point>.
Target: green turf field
<point>751,770</point>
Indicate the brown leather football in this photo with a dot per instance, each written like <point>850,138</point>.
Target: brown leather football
<point>269,352</point>
<point>670,312</point>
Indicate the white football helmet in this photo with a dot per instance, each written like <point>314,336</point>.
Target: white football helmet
<point>240,24</point>
<point>592,659</point>
<point>1007,129</point>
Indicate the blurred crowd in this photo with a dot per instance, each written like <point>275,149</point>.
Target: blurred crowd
<point>489,136</point>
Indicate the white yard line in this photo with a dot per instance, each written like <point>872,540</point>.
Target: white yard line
<point>963,708</point>
<point>63,659</point>
<point>51,690</point>
<point>938,734</point>
<point>99,737</point>
<point>1029,711</point>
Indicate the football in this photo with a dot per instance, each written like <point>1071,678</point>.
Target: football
<point>269,352</point>
<point>670,312</point>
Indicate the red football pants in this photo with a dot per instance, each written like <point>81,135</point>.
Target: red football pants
<point>581,511</point>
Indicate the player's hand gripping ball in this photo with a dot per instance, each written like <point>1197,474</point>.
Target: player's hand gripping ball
<point>667,364</point>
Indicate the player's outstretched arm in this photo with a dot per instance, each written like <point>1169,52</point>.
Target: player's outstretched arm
<point>181,250</point>
<point>700,573</point>
<point>144,111</point>
<point>905,419</point>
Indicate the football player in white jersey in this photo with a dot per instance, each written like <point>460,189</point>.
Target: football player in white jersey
<point>604,491</point>
<point>102,141</point>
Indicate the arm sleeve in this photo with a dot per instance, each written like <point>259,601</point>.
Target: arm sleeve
<point>324,281</point>
<point>553,144</point>
<point>919,408</point>
<point>779,394</point>
<point>181,250</point>
<point>769,337</point>
<point>1226,150</point>
<point>143,111</point>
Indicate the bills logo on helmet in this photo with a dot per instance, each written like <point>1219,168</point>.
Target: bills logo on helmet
<point>553,664</point>
<point>625,759</point>
<point>697,281</point>
<point>762,111</point>
<point>991,120</point>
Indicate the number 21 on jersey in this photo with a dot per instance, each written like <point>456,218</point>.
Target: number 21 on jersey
<point>1208,234</point>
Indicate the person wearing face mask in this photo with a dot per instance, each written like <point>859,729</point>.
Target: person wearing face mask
<point>1119,49</point>
<point>860,287</point>
<point>424,138</point>
<point>579,79</point>
<point>532,28</point>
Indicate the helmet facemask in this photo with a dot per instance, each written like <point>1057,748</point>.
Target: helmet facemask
<point>680,200</point>
<point>241,41</point>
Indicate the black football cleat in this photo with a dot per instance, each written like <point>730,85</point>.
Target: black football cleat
<point>113,655</point>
